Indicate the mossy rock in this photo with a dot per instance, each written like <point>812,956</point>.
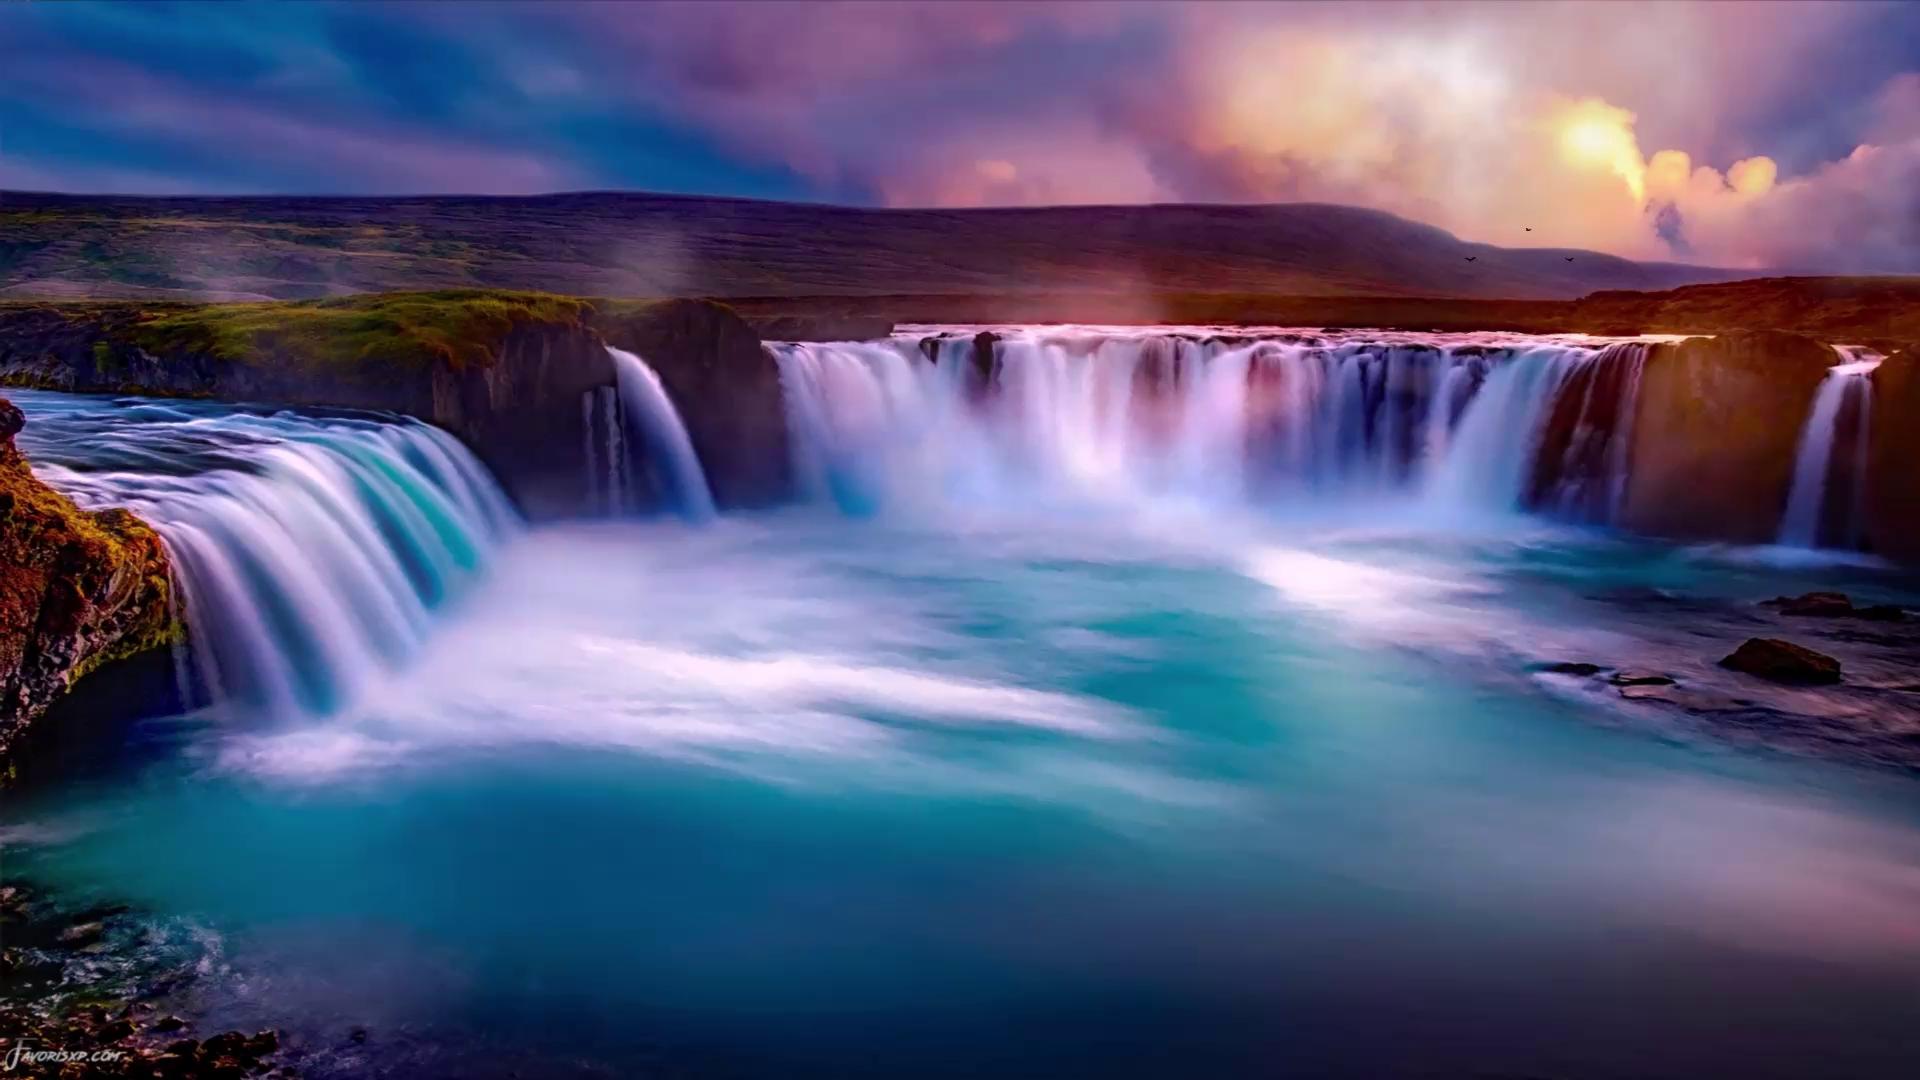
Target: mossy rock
<point>78,589</point>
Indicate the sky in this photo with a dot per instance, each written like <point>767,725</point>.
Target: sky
<point>1769,135</point>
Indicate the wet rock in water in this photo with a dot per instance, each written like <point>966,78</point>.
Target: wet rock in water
<point>1834,605</point>
<point>1819,604</point>
<point>1647,691</point>
<point>237,1045</point>
<point>1783,662</point>
<point>1636,677</point>
<point>984,357</point>
<point>85,933</point>
<point>169,1023</point>
<point>1572,667</point>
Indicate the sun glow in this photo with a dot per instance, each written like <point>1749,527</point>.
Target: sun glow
<point>1596,134</point>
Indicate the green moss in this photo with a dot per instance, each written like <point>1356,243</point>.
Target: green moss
<point>460,327</point>
<point>101,573</point>
<point>105,359</point>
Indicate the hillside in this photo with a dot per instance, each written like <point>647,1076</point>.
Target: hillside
<point>605,244</point>
<point>1858,310</point>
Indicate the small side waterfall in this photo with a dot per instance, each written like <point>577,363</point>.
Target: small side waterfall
<point>309,552</point>
<point>649,431</point>
<point>1266,419</point>
<point>1825,504</point>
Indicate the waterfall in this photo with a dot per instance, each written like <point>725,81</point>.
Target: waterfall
<point>1081,414</point>
<point>1492,453</point>
<point>646,411</point>
<point>605,451</point>
<point>1583,460</point>
<point>308,553</point>
<point>1819,511</point>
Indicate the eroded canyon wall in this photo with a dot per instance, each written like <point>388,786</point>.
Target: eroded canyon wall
<point>1893,458</point>
<point>1715,434</point>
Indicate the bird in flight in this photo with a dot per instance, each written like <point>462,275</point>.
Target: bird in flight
<point>1470,258</point>
<point>1529,228</point>
<point>1569,258</point>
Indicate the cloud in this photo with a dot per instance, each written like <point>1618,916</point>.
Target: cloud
<point>1737,134</point>
<point>361,154</point>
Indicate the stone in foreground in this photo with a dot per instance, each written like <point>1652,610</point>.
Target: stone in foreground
<point>1783,662</point>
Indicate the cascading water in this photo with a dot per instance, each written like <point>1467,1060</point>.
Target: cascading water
<point>1825,504</point>
<point>1087,413</point>
<point>649,430</point>
<point>1583,458</point>
<point>308,550</point>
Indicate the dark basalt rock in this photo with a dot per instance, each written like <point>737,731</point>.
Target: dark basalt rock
<point>1783,662</point>
<point>505,372</point>
<point>1833,605</point>
<point>1716,431</point>
<point>1632,677</point>
<point>819,326</point>
<point>726,386</point>
<point>1893,481</point>
<point>984,361</point>
<point>1573,667</point>
<point>57,1005</point>
<point>1822,604</point>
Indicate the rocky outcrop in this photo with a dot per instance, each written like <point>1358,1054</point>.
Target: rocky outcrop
<point>504,372</point>
<point>77,589</point>
<point>817,326</point>
<point>725,385</point>
<point>1833,605</point>
<point>1716,431</point>
<point>1893,458</point>
<point>1783,662</point>
<point>521,413</point>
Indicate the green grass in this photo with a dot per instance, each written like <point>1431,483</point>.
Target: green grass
<point>460,327</point>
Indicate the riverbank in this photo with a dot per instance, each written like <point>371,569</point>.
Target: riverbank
<point>99,991</point>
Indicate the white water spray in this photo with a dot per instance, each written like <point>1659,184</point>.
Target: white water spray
<point>308,553</point>
<point>648,413</point>
<point>1846,394</point>
<point>1081,414</point>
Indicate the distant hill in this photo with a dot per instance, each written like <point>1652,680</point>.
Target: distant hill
<point>617,244</point>
<point>1880,311</point>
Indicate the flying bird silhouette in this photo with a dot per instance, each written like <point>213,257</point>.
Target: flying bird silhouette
<point>1470,258</point>
<point>1529,228</point>
<point>1569,258</point>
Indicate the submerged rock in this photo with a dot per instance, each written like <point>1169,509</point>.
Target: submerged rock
<point>86,993</point>
<point>1572,667</point>
<point>78,589</point>
<point>1834,605</point>
<point>1825,604</point>
<point>1634,677</point>
<point>1783,662</point>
